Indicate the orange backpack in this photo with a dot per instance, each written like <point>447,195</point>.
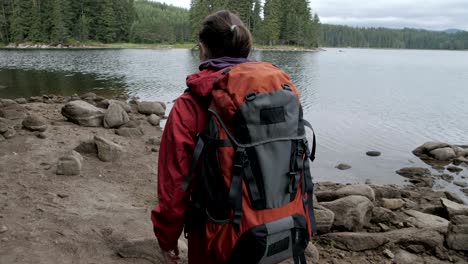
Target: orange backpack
<point>255,190</point>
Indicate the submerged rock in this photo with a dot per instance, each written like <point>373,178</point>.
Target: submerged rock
<point>343,166</point>
<point>443,154</point>
<point>373,153</point>
<point>83,113</point>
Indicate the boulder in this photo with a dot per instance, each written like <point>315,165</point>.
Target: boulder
<point>2,138</point>
<point>454,169</point>
<point>454,197</point>
<point>13,112</point>
<point>352,213</point>
<point>386,191</point>
<point>133,123</point>
<point>10,133</point>
<point>83,113</point>
<point>87,147</point>
<point>462,184</point>
<point>35,123</point>
<point>392,204</point>
<point>423,220</point>
<point>454,208</point>
<point>355,241</point>
<point>115,116</point>
<point>324,219</point>
<point>21,101</point>
<point>429,146</point>
<point>129,132</point>
<point>457,235</point>
<point>373,153</point>
<point>444,154</point>
<point>404,257</point>
<point>343,166</point>
<point>312,253</point>
<point>88,96</point>
<point>430,239</point>
<point>3,125</point>
<point>382,215</point>
<point>124,105</point>
<point>107,150</point>
<point>154,120</point>
<point>149,108</point>
<point>69,164</point>
<point>35,99</point>
<point>355,189</point>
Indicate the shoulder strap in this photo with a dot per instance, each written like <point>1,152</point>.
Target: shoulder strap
<point>314,143</point>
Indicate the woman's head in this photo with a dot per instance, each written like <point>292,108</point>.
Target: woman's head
<point>224,35</point>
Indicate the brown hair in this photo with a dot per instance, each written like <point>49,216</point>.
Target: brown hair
<point>224,34</point>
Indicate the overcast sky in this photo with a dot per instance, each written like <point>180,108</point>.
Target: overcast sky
<point>427,14</point>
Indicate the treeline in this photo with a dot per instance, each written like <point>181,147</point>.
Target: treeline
<point>62,21</point>
<point>288,22</point>
<point>345,36</point>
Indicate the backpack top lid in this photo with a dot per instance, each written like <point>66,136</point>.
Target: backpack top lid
<point>259,98</point>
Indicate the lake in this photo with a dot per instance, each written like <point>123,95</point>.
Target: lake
<point>356,99</point>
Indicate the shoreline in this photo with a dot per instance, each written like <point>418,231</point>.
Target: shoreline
<point>66,197</point>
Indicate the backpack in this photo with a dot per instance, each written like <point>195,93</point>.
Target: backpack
<point>254,193</point>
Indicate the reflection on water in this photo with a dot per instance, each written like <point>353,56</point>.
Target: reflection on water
<point>357,100</point>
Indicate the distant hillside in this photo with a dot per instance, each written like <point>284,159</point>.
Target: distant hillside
<point>345,36</point>
<point>453,30</point>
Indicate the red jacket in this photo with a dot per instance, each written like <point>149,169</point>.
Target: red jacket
<point>187,118</point>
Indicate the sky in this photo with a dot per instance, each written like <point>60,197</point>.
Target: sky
<point>425,14</point>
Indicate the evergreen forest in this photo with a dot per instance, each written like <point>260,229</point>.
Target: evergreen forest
<point>272,22</point>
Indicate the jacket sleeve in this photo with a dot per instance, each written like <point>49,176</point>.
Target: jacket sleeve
<point>175,154</point>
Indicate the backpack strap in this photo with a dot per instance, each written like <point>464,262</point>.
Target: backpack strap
<point>314,143</point>
<point>193,165</point>
<point>235,193</point>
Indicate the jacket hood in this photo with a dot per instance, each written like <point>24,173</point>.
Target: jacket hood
<point>201,83</point>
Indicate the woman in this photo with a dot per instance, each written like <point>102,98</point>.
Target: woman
<point>224,41</point>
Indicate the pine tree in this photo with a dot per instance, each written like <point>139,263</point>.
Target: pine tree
<point>106,24</point>
<point>6,7</point>
<point>59,32</point>
<point>35,32</point>
<point>20,20</point>
<point>272,23</point>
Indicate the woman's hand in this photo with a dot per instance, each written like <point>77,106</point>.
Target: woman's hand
<point>171,256</point>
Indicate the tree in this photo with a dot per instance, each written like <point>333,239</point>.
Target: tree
<point>272,24</point>
<point>19,24</point>
<point>59,31</point>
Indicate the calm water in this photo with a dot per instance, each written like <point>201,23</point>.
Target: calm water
<point>357,99</point>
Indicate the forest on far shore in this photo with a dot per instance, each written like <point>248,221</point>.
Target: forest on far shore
<point>272,22</point>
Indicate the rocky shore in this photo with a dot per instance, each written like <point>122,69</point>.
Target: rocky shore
<point>78,181</point>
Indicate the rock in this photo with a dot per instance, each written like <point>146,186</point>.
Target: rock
<point>21,101</point>
<point>429,146</point>
<point>465,191</point>
<point>404,257</point>
<point>70,164</point>
<point>312,253</point>
<point>156,141</point>
<point>355,189</point>
<point>343,166</point>
<point>13,112</point>
<point>457,235</point>
<point>10,133</point>
<point>41,135</point>
<point>454,169</point>
<point>2,138</point>
<point>107,150</point>
<point>461,151</point>
<point>454,197</point>
<point>389,254</point>
<point>154,149</point>
<point>446,153</point>
<point>356,241</point>
<point>461,183</point>
<point>87,147</point>
<point>351,212</point>
<point>454,208</point>
<point>129,132</point>
<point>35,123</point>
<point>445,177</point>
<point>383,227</point>
<point>35,99</point>
<point>373,153</point>
<point>3,229</point>
<point>83,113</point>
<point>430,239</point>
<point>392,204</point>
<point>133,124</point>
<point>115,116</point>
<point>124,105</point>
<point>423,220</point>
<point>154,120</point>
<point>104,104</point>
<point>88,96</point>
<point>382,215</point>
<point>7,102</point>
<point>324,219</point>
<point>149,108</point>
